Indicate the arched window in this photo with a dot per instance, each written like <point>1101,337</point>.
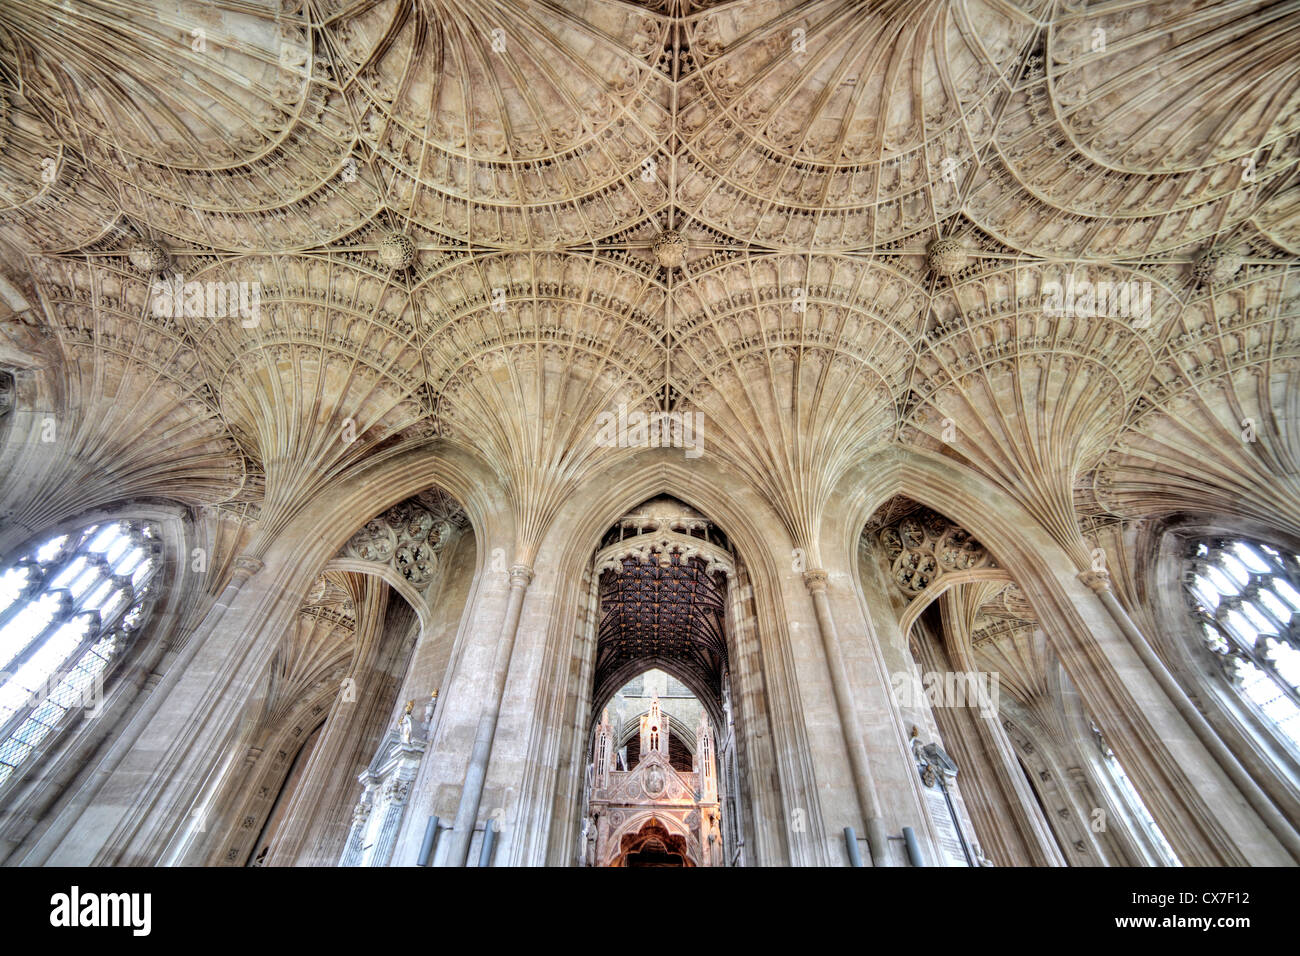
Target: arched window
<point>1128,793</point>
<point>68,608</point>
<point>1246,596</point>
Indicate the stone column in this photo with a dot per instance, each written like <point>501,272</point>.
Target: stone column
<point>1027,818</point>
<point>1120,847</point>
<point>868,801</point>
<point>347,718</point>
<point>1284,831</point>
<point>390,810</point>
<point>1013,828</point>
<point>476,773</point>
<point>360,823</point>
<point>1204,815</point>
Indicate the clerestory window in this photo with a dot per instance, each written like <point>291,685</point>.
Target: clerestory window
<point>68,608</point>
<point>1246,597</point>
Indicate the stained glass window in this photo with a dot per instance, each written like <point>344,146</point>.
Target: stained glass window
<point>68,608</point>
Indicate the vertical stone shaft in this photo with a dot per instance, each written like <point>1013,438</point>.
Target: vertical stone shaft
<point>868,801</point>
<point>476,773</point>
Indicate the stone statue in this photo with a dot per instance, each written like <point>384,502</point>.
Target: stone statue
<point>404,723</point>
<point>429,706</point>
<point>654,782</point>
<point>589,834</point>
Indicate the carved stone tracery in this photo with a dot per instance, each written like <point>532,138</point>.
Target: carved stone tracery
<point>923,546</point>
<point>408,538</point>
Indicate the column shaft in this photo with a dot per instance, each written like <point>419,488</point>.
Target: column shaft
<point>868,802</point>
<point>476,773</point>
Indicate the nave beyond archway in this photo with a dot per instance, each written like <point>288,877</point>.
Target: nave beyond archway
<point>655,785</point>
<point>668,758</point>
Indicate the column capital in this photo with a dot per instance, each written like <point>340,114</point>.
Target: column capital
<point>521,575</point>
<point>815,579</point>
<point>1096,580</point>
<point>245,567</point>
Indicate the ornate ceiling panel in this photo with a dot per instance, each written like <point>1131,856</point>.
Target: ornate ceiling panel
<point>839,125</point>
<point>1031,392</point>
<point>325,375</point>
<point>314,655</point>
<point>1138,129</point>
<point>825,225</point>
<point>798,363</point>
<point>221,125</point>
<point>1019,655</point>
<point>663,577</point>
<point>131,414</point>
<point>1221,429</point>
<point>507,125</point>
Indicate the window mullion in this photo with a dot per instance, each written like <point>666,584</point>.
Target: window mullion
<point>1264,663</point>
<point>1244,642</point>
<point>94,632</point>
<point>93,635</point>
<point>44,574</point>
<point>39,694</point>
<point>34,588</point>
<point>1250,653</point>
<point>12,725</point>
<point>1284,631</point>
<point>1289,630</point>
<point>1222,622</point>
<point>100,564</point>
<point>73,608</point>
<point>1286,570</point>
<point>24,734</point>
<point>65,612</point>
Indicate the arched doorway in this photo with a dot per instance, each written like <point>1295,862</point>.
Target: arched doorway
<point>662,745</point>
<point>647,767</point>
<point>653,845</point>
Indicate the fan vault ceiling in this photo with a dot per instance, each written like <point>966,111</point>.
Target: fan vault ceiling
<point>828,226</point>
